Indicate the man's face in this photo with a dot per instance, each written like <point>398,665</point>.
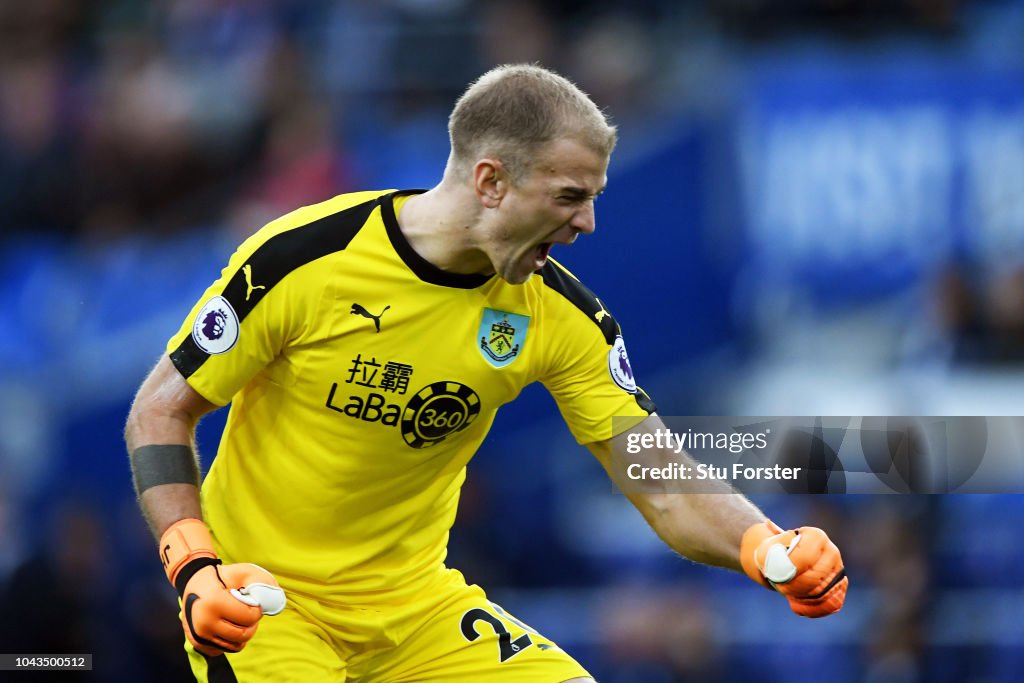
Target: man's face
<point>553,204</point>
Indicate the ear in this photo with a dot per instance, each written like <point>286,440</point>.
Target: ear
<point>490,181</point>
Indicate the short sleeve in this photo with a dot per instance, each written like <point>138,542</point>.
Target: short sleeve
<point>241,323</point>
<point>587,369</point>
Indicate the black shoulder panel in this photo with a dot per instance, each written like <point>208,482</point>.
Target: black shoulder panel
<point>558,278</point>
<point>271,262</point>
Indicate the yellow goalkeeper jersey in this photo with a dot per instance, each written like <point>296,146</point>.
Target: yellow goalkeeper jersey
<point>362,379</point>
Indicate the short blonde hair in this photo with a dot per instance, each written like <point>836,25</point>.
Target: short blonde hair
<point>513,111</point>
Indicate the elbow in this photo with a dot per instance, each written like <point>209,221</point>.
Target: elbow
<point>134,425</point>
<point>165,410</point>
<point>155,421</point>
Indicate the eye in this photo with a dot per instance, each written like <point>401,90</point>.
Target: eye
<point>573,198</point>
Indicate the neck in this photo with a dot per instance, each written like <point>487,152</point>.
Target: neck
<point>441,225</point>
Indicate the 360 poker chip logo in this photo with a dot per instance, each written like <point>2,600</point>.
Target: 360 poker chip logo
<point>437,411</point>
<point>215,329</point>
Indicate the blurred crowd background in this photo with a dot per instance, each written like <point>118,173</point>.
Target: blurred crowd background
<point>816,208</point>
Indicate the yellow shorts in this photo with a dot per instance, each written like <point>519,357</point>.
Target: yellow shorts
<point>452,634</point>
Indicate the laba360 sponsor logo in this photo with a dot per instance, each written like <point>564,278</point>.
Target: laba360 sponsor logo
<point>434,413</point>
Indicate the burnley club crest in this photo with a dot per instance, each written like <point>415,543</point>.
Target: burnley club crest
<point>502,336</point>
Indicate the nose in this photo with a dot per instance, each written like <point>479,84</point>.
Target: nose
<point>584,220</point>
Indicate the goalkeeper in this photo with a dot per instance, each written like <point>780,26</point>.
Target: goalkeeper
<point>365,345</point>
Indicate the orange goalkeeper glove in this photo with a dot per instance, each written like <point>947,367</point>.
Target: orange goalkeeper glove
<point>221,604</point>
<point>803,564</point>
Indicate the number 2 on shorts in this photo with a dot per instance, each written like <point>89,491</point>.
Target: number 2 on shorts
<point>507,648</point>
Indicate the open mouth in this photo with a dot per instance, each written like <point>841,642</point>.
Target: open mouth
<point>540,255</point>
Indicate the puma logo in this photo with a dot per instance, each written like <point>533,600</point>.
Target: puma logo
<point>250,287</point>
<point>165,554</point>
<point>359,310</point>
<point>600,315</point>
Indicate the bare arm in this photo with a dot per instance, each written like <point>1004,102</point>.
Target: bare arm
<point>701,520</point>
<point>163,421</point>
<point>165,412</point>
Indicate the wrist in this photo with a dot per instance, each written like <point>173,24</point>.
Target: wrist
<point>753,537</point>
<point>183,543</point>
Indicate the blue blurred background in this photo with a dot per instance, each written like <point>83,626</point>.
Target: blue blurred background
<point>817,207</point>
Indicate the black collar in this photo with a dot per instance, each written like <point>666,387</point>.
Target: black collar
<point>424,269</point>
